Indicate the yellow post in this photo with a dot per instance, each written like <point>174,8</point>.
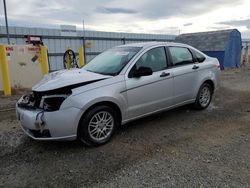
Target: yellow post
<point>81,56</point>
<point>5,71</point>
<point>44,63</point>
<point>68,65</point>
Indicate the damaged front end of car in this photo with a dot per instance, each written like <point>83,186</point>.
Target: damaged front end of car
<point>40,103</point>
<point>42,116</point>
<point>50,111</point>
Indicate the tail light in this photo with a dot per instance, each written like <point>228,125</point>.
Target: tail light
<point>218,66</point>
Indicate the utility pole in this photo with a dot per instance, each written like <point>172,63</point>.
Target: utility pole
<point>6,21</point>
<point>83,31</point>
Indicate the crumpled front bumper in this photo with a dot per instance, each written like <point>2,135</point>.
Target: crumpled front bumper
<point>57,125</point>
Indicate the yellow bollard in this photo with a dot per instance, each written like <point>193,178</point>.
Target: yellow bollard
<point>68,65</point>
<point>5,71</point>
<point>81,57</point>
<point>67,59</point>
<point>44,63</point>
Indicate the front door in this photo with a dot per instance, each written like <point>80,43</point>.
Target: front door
<point>151,93</point>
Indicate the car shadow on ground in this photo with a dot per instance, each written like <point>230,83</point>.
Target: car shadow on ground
<point>160,116</point>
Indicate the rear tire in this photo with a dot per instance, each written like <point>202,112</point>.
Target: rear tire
<point>98,126</point>
<point>203,97</point>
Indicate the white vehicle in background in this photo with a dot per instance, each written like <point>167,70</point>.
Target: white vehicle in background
<point>120,85</point>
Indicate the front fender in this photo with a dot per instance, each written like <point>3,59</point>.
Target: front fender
<point>111,93</point>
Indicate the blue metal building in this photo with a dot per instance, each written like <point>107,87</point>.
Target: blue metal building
<point>225,45</point>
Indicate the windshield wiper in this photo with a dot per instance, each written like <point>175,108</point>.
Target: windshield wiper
<point>109,74</point>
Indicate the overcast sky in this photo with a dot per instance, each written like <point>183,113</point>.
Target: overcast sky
<point>140,16</point>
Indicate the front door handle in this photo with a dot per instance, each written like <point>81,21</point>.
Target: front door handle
<point>195,67</point>
<point>164,74</point>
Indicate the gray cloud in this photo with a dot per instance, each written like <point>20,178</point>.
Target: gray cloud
<point>168,8</point>
<point>107,10</point>
<point>218,27</point>
<point>117,14</point>
<point>187,24</point>
<point>144,9</point>
<point>236,23</point>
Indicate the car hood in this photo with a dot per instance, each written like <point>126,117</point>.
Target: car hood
<point>66,78</point>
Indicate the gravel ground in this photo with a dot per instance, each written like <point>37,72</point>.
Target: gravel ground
<point>177,148</point>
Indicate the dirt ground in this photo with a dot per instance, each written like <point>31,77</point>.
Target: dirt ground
<point>177,148</point>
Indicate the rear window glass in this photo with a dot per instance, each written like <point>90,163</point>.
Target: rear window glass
<point>199,57</point>
<point>180,56</point>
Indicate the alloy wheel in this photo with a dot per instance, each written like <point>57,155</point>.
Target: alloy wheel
<point>101,125</point>
<point>205,96</point>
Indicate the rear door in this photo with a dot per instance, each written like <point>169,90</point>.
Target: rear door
<point>185,74</point>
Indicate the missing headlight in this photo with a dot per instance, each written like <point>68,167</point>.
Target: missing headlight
<point>28,102</point>
<point>52,102</point>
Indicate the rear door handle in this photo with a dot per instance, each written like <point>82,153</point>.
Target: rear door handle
<point>195,67</point>
<point>164,74</point>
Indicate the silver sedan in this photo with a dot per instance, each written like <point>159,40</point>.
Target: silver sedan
<point>120,85</point>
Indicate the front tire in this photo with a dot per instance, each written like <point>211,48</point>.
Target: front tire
<point>203,97</point>
<point>98,126</point>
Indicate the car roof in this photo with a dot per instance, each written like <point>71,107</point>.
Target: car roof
<point>146,45</point>
<point>152,44</point>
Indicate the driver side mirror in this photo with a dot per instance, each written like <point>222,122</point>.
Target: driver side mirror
<point>142,71</point>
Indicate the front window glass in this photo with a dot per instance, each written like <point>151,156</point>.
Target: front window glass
<point>112,61</point>
<point>154,59</point>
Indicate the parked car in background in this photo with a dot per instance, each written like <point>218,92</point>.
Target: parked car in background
<point>120,85</point>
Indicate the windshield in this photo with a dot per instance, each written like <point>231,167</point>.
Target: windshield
<point>112,61</point>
